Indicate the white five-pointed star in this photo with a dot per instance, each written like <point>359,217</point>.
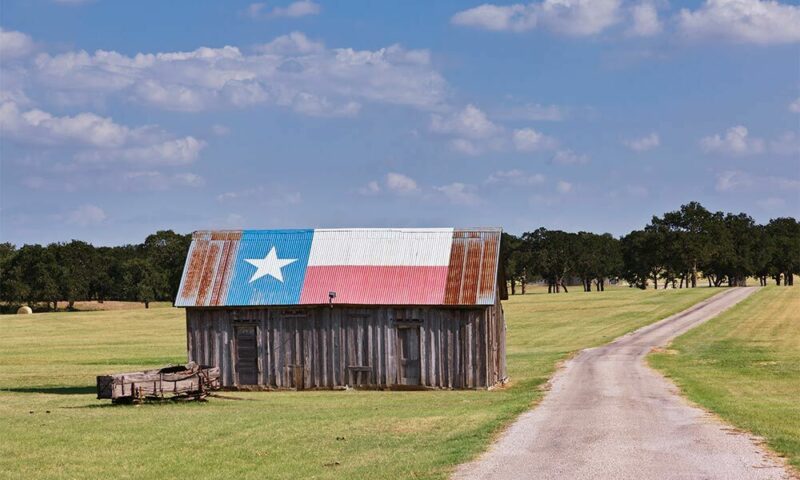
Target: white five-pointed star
<point>270,265</point>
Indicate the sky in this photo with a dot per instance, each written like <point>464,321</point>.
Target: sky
<point>118,119</point>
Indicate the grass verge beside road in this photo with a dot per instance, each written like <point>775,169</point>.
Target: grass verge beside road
<point>48,363</point>
<point>745,366</point>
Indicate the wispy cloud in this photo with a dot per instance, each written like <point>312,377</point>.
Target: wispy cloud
<point>564,187</point>
<point>535,112</point>
<point>568,157</point>
<point>643,144</point>
<point>515,177</point>
<point>459,193</point>
<point>86,215</point>
<point>296,9</point>
<point>263,196</point>
<point>794,106</point>
<point>740,181</point>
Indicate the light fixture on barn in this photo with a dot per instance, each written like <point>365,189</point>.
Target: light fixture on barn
<point>331,296</point>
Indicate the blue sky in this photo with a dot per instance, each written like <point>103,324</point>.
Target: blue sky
<point>120,118</point>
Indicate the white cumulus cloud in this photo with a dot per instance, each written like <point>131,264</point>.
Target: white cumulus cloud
<point>292,43</point>
<point>399,183</point>
<point>95,138</point>
<point>470,122</point>
<point>529,140</point>
<point>474,133</point>
<point>514,18</point>
<point>291,71</point>
<point>644,20</point>
<point>761,22</point>
<point>14,44</point>
<point>568,17</point>
<point>736,141</point>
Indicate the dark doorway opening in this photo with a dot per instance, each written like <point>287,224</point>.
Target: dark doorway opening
<point>408,355</point>
<point>246,355</point>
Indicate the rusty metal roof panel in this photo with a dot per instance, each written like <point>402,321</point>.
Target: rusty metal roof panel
<point>472,277</point>
<point>424,266</point>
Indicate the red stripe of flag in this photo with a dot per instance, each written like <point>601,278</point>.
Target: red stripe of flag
<point>387,285</point>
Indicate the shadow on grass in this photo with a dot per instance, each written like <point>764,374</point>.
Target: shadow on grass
<point>53,390</point>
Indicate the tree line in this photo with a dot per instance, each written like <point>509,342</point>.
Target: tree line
<point>675,249</point>
<point>78,271</point>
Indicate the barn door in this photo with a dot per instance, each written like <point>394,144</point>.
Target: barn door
<point>408,355</point>
<point>246,355</point>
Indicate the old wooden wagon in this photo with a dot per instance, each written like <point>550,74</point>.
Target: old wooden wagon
<point>191,381</point>
<point>329,308</point>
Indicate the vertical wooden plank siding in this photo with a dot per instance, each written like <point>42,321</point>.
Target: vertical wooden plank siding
<point>459,347</point>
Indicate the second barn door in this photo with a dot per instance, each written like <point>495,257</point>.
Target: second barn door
<point>408,355</point>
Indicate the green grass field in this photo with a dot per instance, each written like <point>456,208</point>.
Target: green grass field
<point>48,363</point>
<point>745,366</point>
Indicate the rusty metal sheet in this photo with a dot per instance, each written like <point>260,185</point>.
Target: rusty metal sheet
<point>472,276</point>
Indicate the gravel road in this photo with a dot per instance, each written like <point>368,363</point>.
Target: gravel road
<point>609,416</point>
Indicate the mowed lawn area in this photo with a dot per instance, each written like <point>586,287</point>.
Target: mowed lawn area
<point>745,366</point>
<point>48,363</point>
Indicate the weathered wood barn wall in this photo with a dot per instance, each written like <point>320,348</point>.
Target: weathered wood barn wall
<point>377,347</point>
<point>413,308</point>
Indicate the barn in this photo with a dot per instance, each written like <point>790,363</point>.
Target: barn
<point>329,308</point>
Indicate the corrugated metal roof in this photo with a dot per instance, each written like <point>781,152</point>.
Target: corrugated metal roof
<point>472,273</point>
<point>440,266</point>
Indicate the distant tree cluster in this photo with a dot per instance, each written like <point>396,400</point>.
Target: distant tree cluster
<point>675,249</point>
<point>78,271</point>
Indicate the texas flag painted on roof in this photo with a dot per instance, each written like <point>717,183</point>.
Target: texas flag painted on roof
<point>384,266</point>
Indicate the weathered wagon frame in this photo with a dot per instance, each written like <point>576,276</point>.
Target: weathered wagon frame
<point>191,381</point>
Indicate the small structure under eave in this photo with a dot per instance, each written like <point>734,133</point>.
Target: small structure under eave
<point>329,308</point>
